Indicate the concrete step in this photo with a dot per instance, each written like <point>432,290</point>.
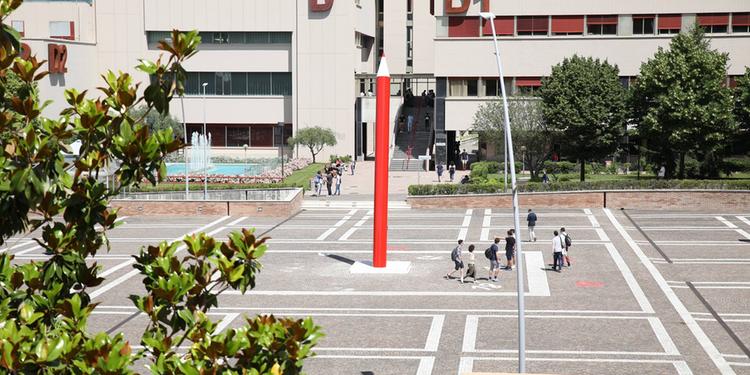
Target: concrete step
<point>336,204</point>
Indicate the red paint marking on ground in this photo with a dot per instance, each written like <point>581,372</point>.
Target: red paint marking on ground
<point>589,284</point>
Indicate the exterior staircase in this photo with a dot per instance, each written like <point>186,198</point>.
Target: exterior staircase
<point>409,145</point>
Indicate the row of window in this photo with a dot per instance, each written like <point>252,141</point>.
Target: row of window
<point>254,135</point>
<point>229,37</point>
<point>643,24</point>
<point>57,29</point>
<point>519,85</point>
<point>239,83</point>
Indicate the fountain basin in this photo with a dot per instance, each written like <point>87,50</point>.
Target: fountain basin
<point>221,169</point>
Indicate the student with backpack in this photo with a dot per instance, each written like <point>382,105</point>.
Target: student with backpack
<point>491,254</point>
<point>471,270</point>
<point>531,219</point>
<point>566,245</point>
<point>457,262</point>
<point>558,246</point>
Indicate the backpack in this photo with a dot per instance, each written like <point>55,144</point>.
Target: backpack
<point>488,253</point>
<point>568,241</point>
<point>454,254</point>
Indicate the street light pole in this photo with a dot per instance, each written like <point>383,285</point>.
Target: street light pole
<point>184,137</point>
<point>490,17</point>
<point>205,139</point>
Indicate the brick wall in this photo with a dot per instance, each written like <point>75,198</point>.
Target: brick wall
<point>641,199</point>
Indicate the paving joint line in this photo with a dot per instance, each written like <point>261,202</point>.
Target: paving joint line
<point>653,244</point>
<point>719,319</point>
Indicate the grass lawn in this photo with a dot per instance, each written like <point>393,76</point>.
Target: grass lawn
<point>303,176</point>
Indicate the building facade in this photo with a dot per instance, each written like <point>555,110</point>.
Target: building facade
<point>308,63</point>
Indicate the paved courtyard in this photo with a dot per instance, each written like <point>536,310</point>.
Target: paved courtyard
<point>648,292</point>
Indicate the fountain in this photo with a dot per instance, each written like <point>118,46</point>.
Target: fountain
<point>200,153</point>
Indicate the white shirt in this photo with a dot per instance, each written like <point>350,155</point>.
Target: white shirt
<point>557,244</point>
<point>472,258</point>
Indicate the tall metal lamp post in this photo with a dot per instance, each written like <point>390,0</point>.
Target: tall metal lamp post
<point>184,137</point>
<point>490,17</point>
<point>280,126</point>
<point>205,139</point>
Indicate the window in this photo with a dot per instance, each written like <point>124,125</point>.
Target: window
<point>472,87</point>
<point>504,25</point>
<point>157,36</point>
<point>220,38</point>
<point>643,24</point>
<point>282,135</point>
<point>238,83</point>
<point>491,87</point>
<point>669,23</point>
<point>528,85</point>
<point>223,37</point>
<point>601,25</point>
<point>259,83</point>
<point>714,22</point>
<point>462,27</point>
<point>740,22</point>
<point>19,26</point>
<point>464,87</point>
<point>62,30</point>
<point>567,25</point>
<point>261,136</point>
<point>532,25</point>
<point>223,84</point>
<point>238,136</point>
<point>281,84</point>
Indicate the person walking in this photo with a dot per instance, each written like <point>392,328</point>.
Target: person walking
<point>510,249</point>
<point>439,169</point>
<point>557,251</point>
<point>471,270</point>
<point>317,183</point>
<point>566,244</point>
<point>337,180</point>
<point>545,178</point>
<point>329,181</point>
<point>531,220</point>
<point>458,264</point>
<point>353,165</point>
<point>494,260</point>
<point>464,159</point>
<point>452,171</point>
<point>427,121</point>
<point>409,123</point>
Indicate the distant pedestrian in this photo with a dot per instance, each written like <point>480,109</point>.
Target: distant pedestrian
<point>427,121</point>
<point>409,123</point>
<point>662,173</point>
<point>545,178</point>
<point>317,183</point>
<point>329,181</point>
<point>531,219</point>
<point>494,260</point>
<point>464,159</point>
<point>557,252</point>
<point>452,170</point>
<point>353,165</point>
<point>337,182</point>
<point>439,169</point>
<point>510,250</point>
<point>567,242</point>
<point>471,268</point>
<point>458,264</point>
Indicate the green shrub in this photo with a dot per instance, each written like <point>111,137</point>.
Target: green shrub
<point>518,165</point>
<point>595,168</point>
<point>482,169</point>
<point>344,158</point>
<point>560,167</point>
<point>734,165</point>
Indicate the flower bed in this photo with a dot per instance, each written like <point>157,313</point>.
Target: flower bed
<point>267,177</point>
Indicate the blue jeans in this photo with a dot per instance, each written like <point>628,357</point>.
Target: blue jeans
<point>558,261</point>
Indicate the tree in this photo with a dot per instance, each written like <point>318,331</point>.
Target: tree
<point>742,104</point>
<point>314,138</point>
<point>157,121</point>
<point>44,306</point>
<point>584,106</point>
<point>681,102</point>
<point>527,124</point>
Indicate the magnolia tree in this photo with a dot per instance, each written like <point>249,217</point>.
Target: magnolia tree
<point>45,305</point>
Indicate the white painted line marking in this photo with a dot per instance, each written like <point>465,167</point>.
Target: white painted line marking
<point>602,234</point>
<point>362,221</point>
<point>470,333</point>
<point>467,218</point>
<point>487,218</point>
<point>425,366</point>
<point>663,337</point>
<point>225,322</point>
<point>734,355</point>
<point>587,211</point>
<point>635,288</point>
<point>538,284</point>
<point>743,233</point>
<point>35,248</point>
<point>325,234</point>
<point>740,364</point>
<point>604,360</point>
<point>237,221</point>
<point>465,365</point>
<point>726,320</point>
<point>462,234</point>
<point>743,219</point>
<point>485,235</point>
<point>594,222</point>
<point>347,234</point>
<point>436,330</point>
<point>104,288</point>
<point>700,335</point>
<point>376,293</point>
<point>19,244</point>
<point>337,225</point>
<point>116,268</point>
<point>568,352</point>
<point>682,368</point>
<point>726,222</point>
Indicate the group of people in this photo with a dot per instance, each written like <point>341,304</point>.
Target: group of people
<point>561,243</point>
<point>440,169</point>
<point>331,177</point>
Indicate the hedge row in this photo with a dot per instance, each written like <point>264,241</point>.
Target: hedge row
<point>198,186</point>
<point>494,188</point>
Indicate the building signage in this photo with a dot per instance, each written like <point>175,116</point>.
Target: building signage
<point>321,5</point>
<point>58,57</point>
<point>451,9</point>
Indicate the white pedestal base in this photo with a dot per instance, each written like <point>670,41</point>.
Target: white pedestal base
<point>391,267</point>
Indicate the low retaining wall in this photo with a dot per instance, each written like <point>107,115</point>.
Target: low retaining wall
<point>256,208</point>
<point>632,199</point>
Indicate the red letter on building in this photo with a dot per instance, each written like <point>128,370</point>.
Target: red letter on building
<point>58,56</point>
<point>317,6</point>
<point>450,9</point>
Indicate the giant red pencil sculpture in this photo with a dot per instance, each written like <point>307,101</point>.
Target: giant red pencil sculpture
<point>382,130</point>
